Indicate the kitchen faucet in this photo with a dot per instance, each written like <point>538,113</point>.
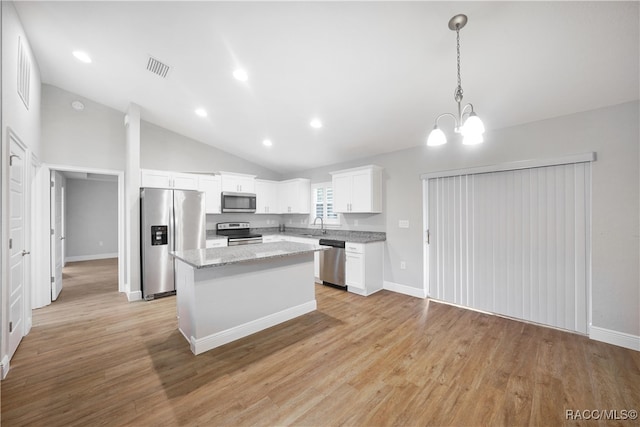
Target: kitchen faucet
<point>321,224</point>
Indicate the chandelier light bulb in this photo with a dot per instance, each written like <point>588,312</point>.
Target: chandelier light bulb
<point>436,137</point>
<point>473,126</point>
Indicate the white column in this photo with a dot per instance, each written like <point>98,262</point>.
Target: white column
<point>132,203</point>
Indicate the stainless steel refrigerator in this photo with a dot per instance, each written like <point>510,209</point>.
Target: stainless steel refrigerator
<point>170,220</point>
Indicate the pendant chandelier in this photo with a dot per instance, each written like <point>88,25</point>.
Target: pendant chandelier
<point>467,122</point>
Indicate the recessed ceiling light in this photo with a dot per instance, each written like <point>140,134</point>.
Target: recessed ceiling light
<point>82,56</point>
<point>77,105</point>
<point>241,75</point>
<point>201,112</point>
<point>267,143</point>
<point>315,123</point>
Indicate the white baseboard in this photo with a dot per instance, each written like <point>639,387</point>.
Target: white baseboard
<point>28,324</point>
<point>620,339</point>
<point>220,338</point>
<point>90,257</point>
<point>404,289</point>
<point>4,367</point>
<point>134,296</point>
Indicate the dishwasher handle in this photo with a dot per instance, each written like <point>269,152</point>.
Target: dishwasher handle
<point>332,243</point>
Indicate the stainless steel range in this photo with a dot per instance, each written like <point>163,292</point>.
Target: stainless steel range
<point>238,233</point>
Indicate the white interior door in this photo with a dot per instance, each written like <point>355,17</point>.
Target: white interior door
<point>56,234</point>
<point>17,243</point>
<point>513,242</point>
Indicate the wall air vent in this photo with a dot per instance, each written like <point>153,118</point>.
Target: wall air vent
<point>24,73</point>
<point>157,67</point>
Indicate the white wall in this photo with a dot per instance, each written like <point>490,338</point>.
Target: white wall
<point>91,219</point>
<point>166,150</point>
<point>612,132</point>
<point>91,138</point>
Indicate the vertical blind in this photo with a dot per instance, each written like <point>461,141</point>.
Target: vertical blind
<point>513,243</point>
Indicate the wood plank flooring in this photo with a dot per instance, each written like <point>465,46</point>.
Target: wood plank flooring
<point>92,358</point>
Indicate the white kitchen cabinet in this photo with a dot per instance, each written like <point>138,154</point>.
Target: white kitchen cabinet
<point>357,190</point>
<point>237,182</point>
<point>295,196</point>
<point>211,186</point>
<point>185,181</point>
<point>216,243</point>
<point>166,179</point>
<point>363,269</point>
<point>267,197</point>
<point>155,179</point>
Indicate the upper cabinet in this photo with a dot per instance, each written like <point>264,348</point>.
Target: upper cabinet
<point>358,190</point>
<point>211,186</point>
<point>166,179</point>
<point>295,196</point>
<point>237,182</point>
<point>267,197</point>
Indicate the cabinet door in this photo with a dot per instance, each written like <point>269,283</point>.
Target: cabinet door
<point>185,181</point>
<point>354,270</point>
<point>246,184</point>
<point>302,204</point>
<point>285,190</point>
<point>155,179</point>
<point>341,192</point>
<point>211,187</point>
<point>238,183</point>
<point>316,267</point>
<point>360,192</point>
<point>266,197</point>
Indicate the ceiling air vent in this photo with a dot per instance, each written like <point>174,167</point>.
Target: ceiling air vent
<point>24,73</point>
<point>157,67</point>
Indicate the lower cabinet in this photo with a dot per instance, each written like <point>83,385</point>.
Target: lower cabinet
<point>363,270</point>
<point>215,243</point>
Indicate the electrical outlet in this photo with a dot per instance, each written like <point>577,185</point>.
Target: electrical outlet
<point>355,222</point>
<point>403,265</point>
<point>403,223</point>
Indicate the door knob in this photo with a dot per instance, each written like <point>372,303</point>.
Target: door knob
<point>25,252</point>
<point>61,237</point>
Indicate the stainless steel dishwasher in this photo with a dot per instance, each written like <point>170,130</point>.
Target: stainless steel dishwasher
<point>332,264</point>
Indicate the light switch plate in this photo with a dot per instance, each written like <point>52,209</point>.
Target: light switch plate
<point>403,223</point>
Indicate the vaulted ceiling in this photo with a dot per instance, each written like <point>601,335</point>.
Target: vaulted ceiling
<point>375,73</point>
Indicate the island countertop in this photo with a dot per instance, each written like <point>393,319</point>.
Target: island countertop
<point>216,257</point>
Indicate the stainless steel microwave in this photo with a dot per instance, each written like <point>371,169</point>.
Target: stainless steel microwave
<point>238,202</point>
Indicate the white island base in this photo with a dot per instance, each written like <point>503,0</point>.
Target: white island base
<point>220,304</point>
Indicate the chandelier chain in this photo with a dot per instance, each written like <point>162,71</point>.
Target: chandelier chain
<point>458,93</point>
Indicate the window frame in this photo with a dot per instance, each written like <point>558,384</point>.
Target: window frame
<point>312,216</point>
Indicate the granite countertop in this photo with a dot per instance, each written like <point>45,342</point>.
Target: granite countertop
<point>216,257</point>
<point>314,233</point>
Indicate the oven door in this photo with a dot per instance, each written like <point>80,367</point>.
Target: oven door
<point>236,241</point>
<point>238,202</point>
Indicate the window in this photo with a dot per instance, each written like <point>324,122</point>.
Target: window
<point>322,204</point>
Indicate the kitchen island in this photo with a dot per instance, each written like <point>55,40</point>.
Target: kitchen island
<point>224,294</point>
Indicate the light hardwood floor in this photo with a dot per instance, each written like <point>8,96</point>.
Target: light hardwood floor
<point>92,358</point>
